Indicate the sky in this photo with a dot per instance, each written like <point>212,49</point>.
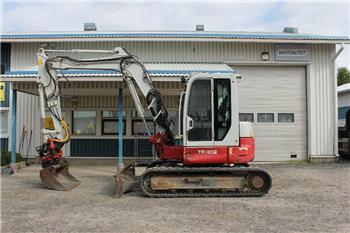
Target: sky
<point>322,17</point>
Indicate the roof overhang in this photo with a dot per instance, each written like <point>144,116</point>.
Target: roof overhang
<point>262,37</point>
<point>158,71</point>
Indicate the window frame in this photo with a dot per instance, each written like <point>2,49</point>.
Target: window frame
<point>103,120</point>
<point>252,114</point>
<point>140,120</point>
<point>189,137</point>
<point>73,131</point>
<point>273,117</point>
<point>281,113</point>
<point>116,117</point>
<point>216,122</point>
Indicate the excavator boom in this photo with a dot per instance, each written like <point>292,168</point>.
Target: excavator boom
<point>55,174</point>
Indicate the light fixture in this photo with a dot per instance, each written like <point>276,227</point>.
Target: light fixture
<point>265,56</point>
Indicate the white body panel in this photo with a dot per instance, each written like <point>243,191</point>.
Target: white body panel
<point>245,130</point>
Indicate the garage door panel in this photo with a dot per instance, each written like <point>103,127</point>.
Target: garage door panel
<point>275,90</point>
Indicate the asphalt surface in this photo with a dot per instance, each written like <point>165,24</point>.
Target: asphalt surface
<point>304,198</point>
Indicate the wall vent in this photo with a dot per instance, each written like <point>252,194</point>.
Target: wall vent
<point>291,30</point>
<point>90,27</point>
<point>200,27</point>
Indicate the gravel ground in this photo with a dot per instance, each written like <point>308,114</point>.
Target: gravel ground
<point>304,198</point>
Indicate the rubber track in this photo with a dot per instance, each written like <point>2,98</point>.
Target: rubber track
<point>241,171</point>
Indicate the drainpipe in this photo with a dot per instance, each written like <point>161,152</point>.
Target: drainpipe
<point>339,52</point>
<point>335,132</point>
<point>13,131</point>
<point>120,164</point>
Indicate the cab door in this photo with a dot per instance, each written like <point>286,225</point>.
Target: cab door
<point>211,112</point>
<point>198,113</point>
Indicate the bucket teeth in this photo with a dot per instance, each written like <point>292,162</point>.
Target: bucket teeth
<point>126,180</point>
<point>57,177</point>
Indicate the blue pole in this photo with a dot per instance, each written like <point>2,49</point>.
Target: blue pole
<point>120,128</point>
<point>13,128</point>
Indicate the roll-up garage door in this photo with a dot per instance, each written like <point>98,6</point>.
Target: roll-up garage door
<point>274,99</point>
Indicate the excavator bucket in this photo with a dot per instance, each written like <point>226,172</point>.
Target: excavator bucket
<point>57,177</point>
<point>126,180</point>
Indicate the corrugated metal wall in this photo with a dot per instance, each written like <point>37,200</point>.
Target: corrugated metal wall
<point>321,100</point>
<point>24,53</point>
<point>28,116</point>
<point>321,89</point>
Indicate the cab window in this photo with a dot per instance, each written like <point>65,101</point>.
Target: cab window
<point>222,105</point>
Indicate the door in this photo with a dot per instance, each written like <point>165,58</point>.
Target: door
<point>274,99</point>
<point>198,114</point>
<point>222,108</point>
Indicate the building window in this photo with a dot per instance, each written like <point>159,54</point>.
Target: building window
<point>110,127</point>
<point>266,117</point>
<point>3,121</point>
<point>146,113</point>
<point>112,114</point>
<point>286,117</point>
<point>84,122</point>
<point>248,117</point>
<point>139,128</point>
<point>110,122</point>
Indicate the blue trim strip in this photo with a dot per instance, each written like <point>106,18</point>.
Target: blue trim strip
<point>176,35</point>
<point>120,128</point>
<point>13,126</point>
<point>101,72</point>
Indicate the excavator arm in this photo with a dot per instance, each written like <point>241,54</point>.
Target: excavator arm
<point>134,74</point>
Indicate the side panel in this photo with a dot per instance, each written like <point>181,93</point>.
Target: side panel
<point>222,154</point>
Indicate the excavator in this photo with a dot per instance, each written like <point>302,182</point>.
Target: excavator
<point>213,157</point>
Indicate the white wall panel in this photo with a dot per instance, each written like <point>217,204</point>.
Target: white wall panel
<point>23,54</point>
<point>321,101</point>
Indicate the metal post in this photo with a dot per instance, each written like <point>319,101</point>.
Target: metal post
<point>120,129</point>
<point>13,130</point>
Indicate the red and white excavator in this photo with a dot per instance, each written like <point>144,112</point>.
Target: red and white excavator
<point>212,159</point>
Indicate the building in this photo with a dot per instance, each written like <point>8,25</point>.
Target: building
<point>288,87</point>
<point>343,109</point>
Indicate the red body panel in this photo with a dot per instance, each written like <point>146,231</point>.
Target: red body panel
<point>172,153</point>
<point>221,155</point>
<point>206,155</point>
